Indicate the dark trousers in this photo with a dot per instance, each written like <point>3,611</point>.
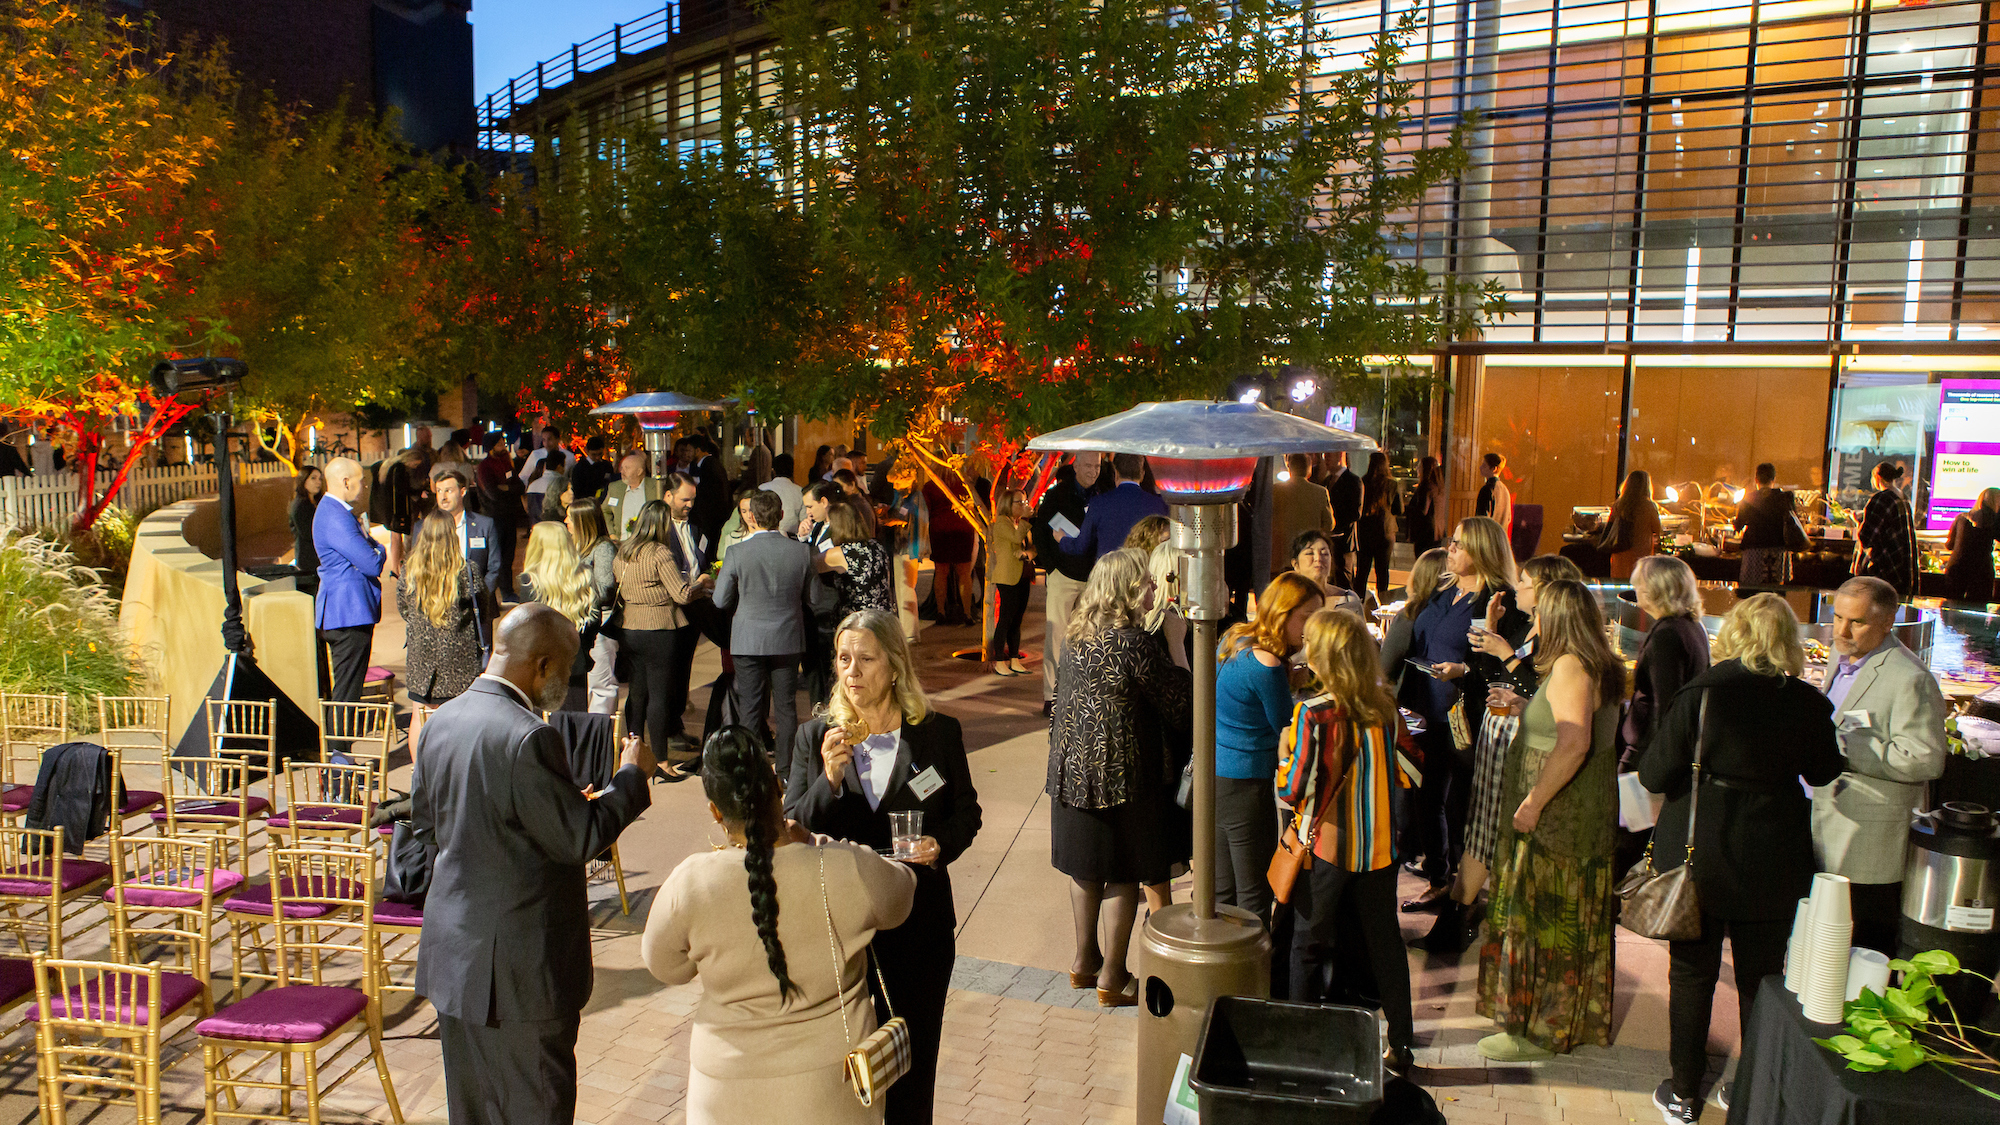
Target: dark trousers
<point>1246,837</point>
<point>1345,559</point>
<point>1442,805</point>
<point>1374,556</point>
<point>1013,607</point>
<point>521,1072</point>
<point>1319,898</point>
<point>816,665</point>
<point>1757,949</point>
<point>770,683</point>
<point>347,656</point>
<point>661,661</point>
<point>1878,914</point>
<point>915,959</point>
<point>505,526</point>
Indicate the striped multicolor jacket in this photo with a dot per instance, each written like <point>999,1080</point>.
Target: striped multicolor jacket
<point>1350,810</point>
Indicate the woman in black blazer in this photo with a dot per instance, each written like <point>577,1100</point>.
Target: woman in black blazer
<point>877,749</point>
<point>1753,851</point>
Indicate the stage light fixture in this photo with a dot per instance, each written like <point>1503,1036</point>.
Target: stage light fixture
<point>172,378</point>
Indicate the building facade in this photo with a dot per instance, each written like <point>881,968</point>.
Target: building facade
<point>1728,232</point>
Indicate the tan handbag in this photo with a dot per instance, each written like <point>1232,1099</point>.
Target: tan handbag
<point>1294,852</point>
<point>874,1065</point>
<point>1667,905</point>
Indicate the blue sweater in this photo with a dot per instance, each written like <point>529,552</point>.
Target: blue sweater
<point>1253,706</point>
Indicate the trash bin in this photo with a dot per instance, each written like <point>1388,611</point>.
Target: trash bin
<point>1271,1062</point>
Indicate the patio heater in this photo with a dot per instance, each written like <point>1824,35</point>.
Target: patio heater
<point>658,414</point>
<point>1203,455</point>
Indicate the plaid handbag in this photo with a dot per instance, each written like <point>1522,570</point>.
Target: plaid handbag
<point>874,1065</point>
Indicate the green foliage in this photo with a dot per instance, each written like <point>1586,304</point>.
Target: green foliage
<point>1896,1030</point>
<point>61,626</point>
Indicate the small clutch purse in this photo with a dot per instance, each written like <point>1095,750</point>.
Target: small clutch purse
<point>884,1056</point>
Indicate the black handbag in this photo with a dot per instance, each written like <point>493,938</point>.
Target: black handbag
<point>1666,905</point>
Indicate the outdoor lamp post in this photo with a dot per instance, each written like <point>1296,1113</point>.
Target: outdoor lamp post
<point>658,413</point>
<point>1203,455</point>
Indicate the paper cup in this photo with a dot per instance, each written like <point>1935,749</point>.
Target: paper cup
<point>1798,952</point>
<point>1826,979</point>
<point>1866,968</point>
<point>1831,902</point>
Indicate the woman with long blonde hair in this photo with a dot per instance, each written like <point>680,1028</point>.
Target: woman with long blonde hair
<point>1253,707</point>
<point>1443,674</point>
<point>444,634</point>
<point>880,748</point>
<point>1119,700</point>
<point>556,577</point>
<point>1547,971</point>
<point>1340,758</point>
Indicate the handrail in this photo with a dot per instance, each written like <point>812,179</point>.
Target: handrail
<point>498,108</point>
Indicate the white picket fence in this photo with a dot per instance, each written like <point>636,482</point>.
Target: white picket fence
<point>39,500</point>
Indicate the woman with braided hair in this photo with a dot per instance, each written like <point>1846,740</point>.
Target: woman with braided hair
<point>766,922</point>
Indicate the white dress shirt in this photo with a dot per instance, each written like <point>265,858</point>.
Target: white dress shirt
<point>875,764</point>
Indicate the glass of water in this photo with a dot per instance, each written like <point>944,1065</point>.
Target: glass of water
<point>906,828</point>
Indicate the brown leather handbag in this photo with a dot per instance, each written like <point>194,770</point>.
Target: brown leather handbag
<point>1666,905</point>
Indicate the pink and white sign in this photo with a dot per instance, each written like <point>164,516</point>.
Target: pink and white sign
<point>1968,448</point>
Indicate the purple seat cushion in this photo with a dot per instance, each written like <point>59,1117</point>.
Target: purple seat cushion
<point>138,801</point>
<point>17,978</point>
<point>165,889</point>
<point>176,989</point>
<point>32,878</point>
<point>17,797</point>
<point>298,1013</point>
<point>316,815</point>
<point>257,900</point>
<point>398,914</point>
<point>212,808</point>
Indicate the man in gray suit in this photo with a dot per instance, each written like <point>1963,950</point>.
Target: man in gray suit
<point>767,578</point>
<point>1890,715</point>
<point>505,952</point>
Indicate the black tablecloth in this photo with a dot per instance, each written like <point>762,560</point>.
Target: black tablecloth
<point>1787,1079</point>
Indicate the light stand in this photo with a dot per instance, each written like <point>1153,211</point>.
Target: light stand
<point>235,639</point>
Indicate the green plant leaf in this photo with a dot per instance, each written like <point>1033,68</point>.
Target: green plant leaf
<point>1901,1007</point>
<point>1936,962</point>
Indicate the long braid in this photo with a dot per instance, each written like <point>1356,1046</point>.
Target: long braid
<point>735,755</point>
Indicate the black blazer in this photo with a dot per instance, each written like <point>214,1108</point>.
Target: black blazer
<point>1345,493</point>
<point>1675,651</point>
<point>951,813</point>
<point>507,923</point>
<point>1761,517</point>
<point>1753,849</point>
<point>711,498</point>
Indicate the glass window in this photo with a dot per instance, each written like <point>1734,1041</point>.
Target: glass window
<point>1557,425</point>
<point>1709,425</point>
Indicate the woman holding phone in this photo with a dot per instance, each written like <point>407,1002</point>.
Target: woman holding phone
<point>878,749</point>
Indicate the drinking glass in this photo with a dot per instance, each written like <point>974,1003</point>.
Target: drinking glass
<point>906,828</point>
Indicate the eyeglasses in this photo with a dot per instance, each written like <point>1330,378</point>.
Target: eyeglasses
<point>1450,543</point>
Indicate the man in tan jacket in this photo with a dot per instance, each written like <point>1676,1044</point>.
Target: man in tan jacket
<point>1890,715</point>
<point>625,496</point>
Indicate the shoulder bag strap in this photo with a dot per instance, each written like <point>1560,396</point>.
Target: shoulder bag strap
<point>839,958</point>
<point>1694,785</point>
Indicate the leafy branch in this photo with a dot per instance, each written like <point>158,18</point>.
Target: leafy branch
<point>1896,1030</point>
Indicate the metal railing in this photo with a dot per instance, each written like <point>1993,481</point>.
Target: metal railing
<point>37,501</point>
<point>498,131</point>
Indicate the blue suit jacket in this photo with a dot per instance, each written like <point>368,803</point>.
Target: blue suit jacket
<point>483,547</point>
<point>350,569</point>
<point>1109,519</point>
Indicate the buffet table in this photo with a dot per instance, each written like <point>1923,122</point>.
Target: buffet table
<point>1785,1078</point>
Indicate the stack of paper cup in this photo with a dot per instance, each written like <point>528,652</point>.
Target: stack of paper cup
<point>1798,950</point>
<point>1869,969</point>
<point>1831,925</point>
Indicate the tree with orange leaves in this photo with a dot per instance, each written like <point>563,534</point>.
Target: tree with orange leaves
<point>100,142</point>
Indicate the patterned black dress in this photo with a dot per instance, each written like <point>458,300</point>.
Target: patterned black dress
<point>865,584</point>
<point>1111,773</point>
<point>1888,542</point>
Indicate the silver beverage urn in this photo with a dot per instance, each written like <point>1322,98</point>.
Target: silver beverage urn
<point>1951,895</point>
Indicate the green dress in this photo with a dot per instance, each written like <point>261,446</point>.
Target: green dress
<point>1547,970</point>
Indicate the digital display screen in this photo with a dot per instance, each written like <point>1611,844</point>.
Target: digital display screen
<point>1344,417</point>
<point>1968,448</point>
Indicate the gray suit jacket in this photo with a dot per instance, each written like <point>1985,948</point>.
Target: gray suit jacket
<point>768,580</point>
<point>1861,823</point>
<point>507,923</point>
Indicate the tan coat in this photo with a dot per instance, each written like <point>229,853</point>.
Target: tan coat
<point>654,589</point>
<point>754,1057</point>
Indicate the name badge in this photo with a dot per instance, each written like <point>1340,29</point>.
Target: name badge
<point>477,541</point>
<point>926,783</point>
<point>1853,720</point>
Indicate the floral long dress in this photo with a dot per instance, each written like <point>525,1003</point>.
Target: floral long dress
<point>1547,970</point>
<point>1888,541</point>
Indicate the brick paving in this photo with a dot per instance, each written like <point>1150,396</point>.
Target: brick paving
<point>1020,1045</point>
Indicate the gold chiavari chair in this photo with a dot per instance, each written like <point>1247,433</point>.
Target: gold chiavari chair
<point>247,729</point>
<point>29,724</point>
<point>163,893</point>
<point>98,1025</point>
<point>52,888</point>
<point>134,728</point>
<point>17,991</point>
<point>307,1020</point>
<point>323,799</point>
<point>362,732</point>
<point>211,797</point>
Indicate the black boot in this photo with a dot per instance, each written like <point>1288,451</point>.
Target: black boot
<point>1448,935</point>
